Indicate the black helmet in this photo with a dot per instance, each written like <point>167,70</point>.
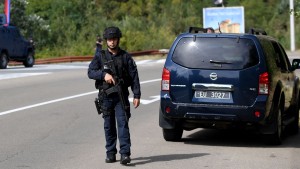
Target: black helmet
<point>112,32</point>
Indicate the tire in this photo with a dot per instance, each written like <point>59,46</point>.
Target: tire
<point>3,61</point>
<point>29,61</point>
<point>276,137</point>
<point>172,134</point>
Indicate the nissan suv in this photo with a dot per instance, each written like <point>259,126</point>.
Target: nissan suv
<point>13,47</point>
<point>222,80</point>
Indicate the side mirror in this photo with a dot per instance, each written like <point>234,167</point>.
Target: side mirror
<point>296,64</point>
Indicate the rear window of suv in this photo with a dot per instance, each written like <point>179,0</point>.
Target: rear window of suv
<point>215,53</point>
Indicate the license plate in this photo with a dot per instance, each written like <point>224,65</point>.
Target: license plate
<point>212,94</point>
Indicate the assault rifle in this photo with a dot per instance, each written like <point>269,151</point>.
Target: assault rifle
<point>110,68</point>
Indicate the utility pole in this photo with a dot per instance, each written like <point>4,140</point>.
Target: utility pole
<point>219,3</point>
<point>292,25</point>
<point>7,11</point>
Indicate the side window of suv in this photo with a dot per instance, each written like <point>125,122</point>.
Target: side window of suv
<point>285,57</point>
<point>271,57</point>
<point>16,34</point>
<point>280,57</point>
<point>216,53</point>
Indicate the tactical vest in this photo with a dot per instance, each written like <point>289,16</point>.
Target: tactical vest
<point>121,67</point>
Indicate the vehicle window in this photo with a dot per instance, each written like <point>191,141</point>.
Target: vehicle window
<point>16,33</point>
<point>288,63</point>
<point>216,53</point>
<point>280,61</point>
<point>269,53</point>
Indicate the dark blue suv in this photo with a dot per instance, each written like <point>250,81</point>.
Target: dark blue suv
<point>14,47</point>
<point>221,80</point>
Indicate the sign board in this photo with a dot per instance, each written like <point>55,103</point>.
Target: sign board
<point>228,19</point>
<point>2,19</point>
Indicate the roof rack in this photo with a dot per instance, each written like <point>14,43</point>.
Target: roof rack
<point>255,31</point>
<point>200,30</point>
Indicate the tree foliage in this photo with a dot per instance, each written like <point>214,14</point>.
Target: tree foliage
<point>296,10</point>
<point>64,27</point>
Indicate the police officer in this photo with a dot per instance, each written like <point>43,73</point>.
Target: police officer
<point>113,111</point>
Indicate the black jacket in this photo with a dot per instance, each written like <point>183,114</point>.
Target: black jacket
<point>95,70</point>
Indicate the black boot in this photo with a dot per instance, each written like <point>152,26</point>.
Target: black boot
<point>110,158</point>
<point>125,159</point>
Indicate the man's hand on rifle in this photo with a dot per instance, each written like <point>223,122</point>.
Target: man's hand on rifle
<point>109,79</point>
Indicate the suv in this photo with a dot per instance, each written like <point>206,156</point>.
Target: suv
<point>14,47</point>
<point>221,80</point>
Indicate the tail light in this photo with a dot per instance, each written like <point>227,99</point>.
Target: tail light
<point>168,109</point>
<point>165,83</point>
<point>257,114</point>
<point>263,86</point>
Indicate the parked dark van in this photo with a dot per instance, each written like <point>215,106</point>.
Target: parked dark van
<point>14,47</point>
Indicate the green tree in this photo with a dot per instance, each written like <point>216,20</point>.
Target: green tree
<point>296,10</point>
<point>29,24</point>
<point>70,27</point>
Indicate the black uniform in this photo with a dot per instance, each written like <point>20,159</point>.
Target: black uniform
<point>126,70</point>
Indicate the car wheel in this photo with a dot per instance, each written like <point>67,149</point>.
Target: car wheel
<point>172,134</point>
<point>3,61</point>
<point>29,61</point>
<point>276,137</point>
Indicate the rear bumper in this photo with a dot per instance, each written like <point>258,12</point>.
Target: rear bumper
<point>199,113</point>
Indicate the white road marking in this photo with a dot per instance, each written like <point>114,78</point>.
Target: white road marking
<point>45,103</point>
<point>149,81</point>
<point>143,101</point>
<point>17,75</point>
<point>62,99</point>
<point>49,67</point>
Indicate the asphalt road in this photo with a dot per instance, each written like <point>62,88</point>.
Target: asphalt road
<point>48,121</point>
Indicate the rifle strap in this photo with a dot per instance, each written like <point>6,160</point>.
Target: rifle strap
<point>108,57</point>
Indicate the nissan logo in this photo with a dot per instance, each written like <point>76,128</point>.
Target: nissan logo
<point>213,76</point>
